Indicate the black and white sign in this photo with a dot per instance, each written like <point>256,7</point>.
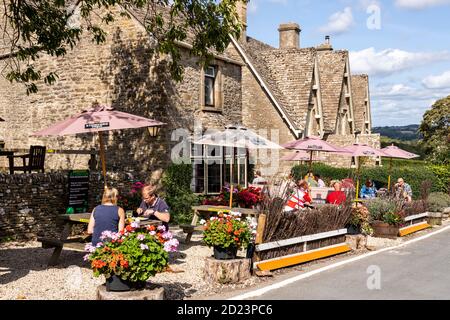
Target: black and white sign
<point>96,125</point>
<point>78,190</point>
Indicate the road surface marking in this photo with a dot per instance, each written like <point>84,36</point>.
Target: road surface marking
<point>260,292</point>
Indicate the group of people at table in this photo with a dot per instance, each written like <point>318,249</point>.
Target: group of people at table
<point>300,191</point>
<point>110,217</point>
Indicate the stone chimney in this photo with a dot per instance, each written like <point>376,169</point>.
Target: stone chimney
<point>241,8</point>
<point>289,35</point>
<point>325,46</point>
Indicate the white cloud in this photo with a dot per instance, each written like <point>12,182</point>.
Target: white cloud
<point>389,61</point>
<point>420,4</point>
<point>339,22</point>
<point>437,82</point>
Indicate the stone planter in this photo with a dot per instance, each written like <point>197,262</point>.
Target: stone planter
<point>435,218</point>
<point>445,213</point>
<point>225,253</point>
<point>384,230</point>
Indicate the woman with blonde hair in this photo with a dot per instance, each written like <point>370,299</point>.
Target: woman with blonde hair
<point>107,216</point>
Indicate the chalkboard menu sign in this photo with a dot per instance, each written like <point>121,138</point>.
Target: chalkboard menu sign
<point>78,191</point>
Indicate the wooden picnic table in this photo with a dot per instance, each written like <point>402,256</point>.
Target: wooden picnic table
<point>206,211</point>
<point>77,243</point>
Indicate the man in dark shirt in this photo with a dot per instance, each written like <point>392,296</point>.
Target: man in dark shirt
<point>154,207</point>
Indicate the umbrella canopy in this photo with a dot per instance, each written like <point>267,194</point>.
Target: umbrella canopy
<point>97,119</point>
<point>363,150</point>
<point>311,144</point>
<point>300,156</point>
<point>396,152</point>
<point>237,137</point>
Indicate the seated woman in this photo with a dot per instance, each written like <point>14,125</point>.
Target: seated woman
<point>368,191</point>
<point>300,198</point>
<point>336,197</point>
<point>107,216</point>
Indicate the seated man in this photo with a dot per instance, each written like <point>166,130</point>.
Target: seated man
<point>403,190</point>
<point>259,180</point>
<point>154,207</point>
<point>368,191</point>
<point>336,197</point>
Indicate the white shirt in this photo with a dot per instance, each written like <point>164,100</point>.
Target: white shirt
<point>321,184</point>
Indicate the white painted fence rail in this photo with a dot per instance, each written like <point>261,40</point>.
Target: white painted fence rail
<point>289,242</point>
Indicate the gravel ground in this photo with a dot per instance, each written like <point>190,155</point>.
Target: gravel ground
<point>24,273</point>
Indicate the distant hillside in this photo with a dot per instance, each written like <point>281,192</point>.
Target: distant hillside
<point>404,133</point>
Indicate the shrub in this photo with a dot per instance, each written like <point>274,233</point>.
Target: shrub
<point>415,207</point>
<point>360,219</point>
<point>437,201</point>
<point>380,209</point>
<point>442,173</point>
<point>177,192</point>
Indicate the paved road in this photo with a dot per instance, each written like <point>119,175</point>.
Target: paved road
<point>420,270</point>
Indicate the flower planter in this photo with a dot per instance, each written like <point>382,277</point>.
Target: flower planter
<point>384,230</point>
<point>225,253</point>
<point>116,284</point>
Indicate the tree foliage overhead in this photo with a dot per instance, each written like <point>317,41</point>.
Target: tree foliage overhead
<point>31,28</point>
<point>435,129</point>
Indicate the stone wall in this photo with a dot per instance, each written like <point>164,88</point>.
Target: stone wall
<point>125,73</point>
<point>31,203</point>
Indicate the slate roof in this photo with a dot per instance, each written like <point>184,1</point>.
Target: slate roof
<point>288,73</point>
<point>331,73</point>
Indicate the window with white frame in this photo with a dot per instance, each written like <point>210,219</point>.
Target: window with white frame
<point>213,167</point>
<point>210,83</point>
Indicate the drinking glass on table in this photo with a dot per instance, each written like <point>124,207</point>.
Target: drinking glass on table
<point>129,215</point>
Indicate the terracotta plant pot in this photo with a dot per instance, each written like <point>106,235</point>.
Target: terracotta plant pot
<point>225,253</point>
<point>384,230</point>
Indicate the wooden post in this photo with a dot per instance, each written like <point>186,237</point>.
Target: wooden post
<point>102,156</point>
<point>260,229</point>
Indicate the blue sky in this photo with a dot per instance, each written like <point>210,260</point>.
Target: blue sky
<point>404,46</point>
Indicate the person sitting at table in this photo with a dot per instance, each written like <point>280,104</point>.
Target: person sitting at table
<point>300,198</point>
<point>154,207</point>
<point>259,180</point>
<point>368,191</point>
<point>107,216</point>
<point>320,182</point>
<point>336,197</point>
<point>310,179</point>
<point>403,190</point>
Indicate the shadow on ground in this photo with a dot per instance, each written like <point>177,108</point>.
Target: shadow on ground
<point>17,262</point>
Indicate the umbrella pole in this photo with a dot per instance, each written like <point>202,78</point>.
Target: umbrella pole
<point>310,161</point>
<point>390,171</point>
<point>231,179</point>
<point>102,156</point>
<point>357,180</point>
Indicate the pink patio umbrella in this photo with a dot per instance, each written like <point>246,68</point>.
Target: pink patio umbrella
<point>98,119</point>
<point>311,144</point>
<point>395,152</point>
<point>300,156</point>
<point>361,150</point>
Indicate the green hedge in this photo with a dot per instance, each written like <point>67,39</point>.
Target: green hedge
<point>177,192</point>
<point>413,175</point>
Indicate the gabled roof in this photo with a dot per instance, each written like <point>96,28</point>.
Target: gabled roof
<point>360,84</point>
<point>331,73</point>
<point>288,73</point>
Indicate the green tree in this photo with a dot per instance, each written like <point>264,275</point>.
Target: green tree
<point>435,128</point>
<point>31,28</point>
